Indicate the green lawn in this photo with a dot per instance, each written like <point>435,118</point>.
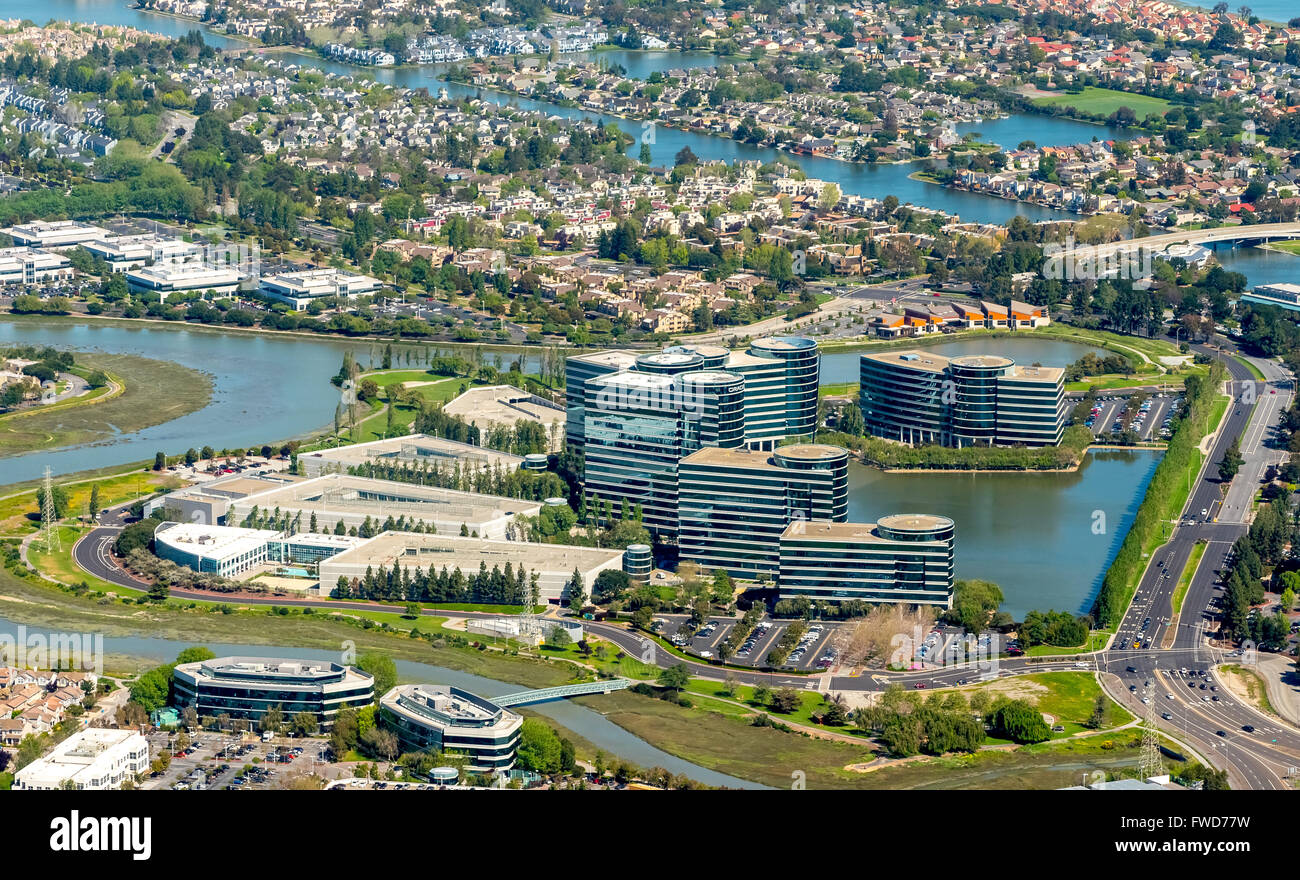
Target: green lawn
<point>1254,370</point>
<point>1096,642</point>
<point>1104,102</point>
<point>1189,571</point>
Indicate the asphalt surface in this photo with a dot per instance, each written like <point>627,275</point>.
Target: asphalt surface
<point>1210,729</point>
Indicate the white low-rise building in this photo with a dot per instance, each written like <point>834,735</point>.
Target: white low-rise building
<point>55,234</point>
<point>123,252</point>
<point>24,265</point>
<point>94,759</point>
<point>298,289</point>
<point>170,277</point>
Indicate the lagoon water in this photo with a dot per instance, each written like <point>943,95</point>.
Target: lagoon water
<point>585,722</point>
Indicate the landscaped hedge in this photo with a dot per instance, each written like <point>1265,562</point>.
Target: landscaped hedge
<point>1167,489</point>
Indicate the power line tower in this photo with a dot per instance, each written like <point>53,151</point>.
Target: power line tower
<point>1149,763</point>
<point>49,519</point>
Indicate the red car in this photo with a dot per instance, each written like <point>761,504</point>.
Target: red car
<point>919,685</point>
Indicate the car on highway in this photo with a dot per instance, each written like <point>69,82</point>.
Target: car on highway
<point>1249,728</point>
<point>1222,733</point>
<point>920,685</point>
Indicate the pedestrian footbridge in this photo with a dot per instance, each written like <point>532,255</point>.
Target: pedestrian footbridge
<point>544,695</point>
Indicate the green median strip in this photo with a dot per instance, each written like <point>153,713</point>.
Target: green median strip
<point>1189,572</point>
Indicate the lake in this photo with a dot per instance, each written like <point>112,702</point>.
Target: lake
<point>267,387</point>
<point>1045,538</point>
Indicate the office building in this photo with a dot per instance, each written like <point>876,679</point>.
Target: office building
<point>780,376</point>
<point>230,552</point>
<point>905,558</point>
<point>122,252</point>
<point>639,425</point>
<point>734,504</point>
<point>23,265</point>
<point>94,759</point>
<point>554,564</point>
<point>441,718</point>
<point>299,289</point>
<point>1282,295</point>
<point>55,234</point>
<point>422,451</point>
<point>248,687</point>
<point>226,552</point>
<point>356,501</point>
<point>165,278</point>
<point>578,370</point>
<point>917,397</point>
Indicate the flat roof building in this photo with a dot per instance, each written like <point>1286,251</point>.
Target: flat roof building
<point>904,558</point>
<point>208,502</point>
<point>229,552</point>
<point>417,449</point>
<point>299,289</point>
<point>94,759</point>
<point>248,687</point>
<point>505,406</point>
<point>55,234</point>
<point>122,252</point>
<point>1283,295</point>
<point>918,397</point>
<point>434,717</point>
<point>220,550</point>
<point>580,368</point>
<point>355,501</point>
<point>553,564</point>
<point>734,504</point>
<point>23,265</point>
<point>170,277</point>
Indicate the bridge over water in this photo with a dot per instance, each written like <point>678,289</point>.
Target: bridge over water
<point>543,695</point>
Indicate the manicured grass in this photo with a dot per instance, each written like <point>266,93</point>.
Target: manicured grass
<point>1104,102</point>
<point>839,389</point>
<point>1069,697</point>
<point>1254,370</point>
<point>19,513</point>
<point>1096,642</point>
<point>1189,572</point>
<point>58,565</point>
<point>139,406</point>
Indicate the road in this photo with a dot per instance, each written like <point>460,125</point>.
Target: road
<point>1166,645</point>
<point>1194,236</point>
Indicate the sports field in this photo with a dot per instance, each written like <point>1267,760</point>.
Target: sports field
<point>1104,102</point>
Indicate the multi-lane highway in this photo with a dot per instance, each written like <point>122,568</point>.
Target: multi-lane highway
<point>1145,659</point>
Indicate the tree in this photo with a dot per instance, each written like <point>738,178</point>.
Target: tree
<point>159,461</point>
<point>1232,462</point>
<point>382,668</point>
<point>93,504</point>
<point>577,593</point>
<point>303,724</point>
<point>272,719</point>
<point>539,748</point>
<point>675,677</point>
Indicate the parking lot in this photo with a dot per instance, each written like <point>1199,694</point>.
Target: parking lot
<point>1150,421</point>
<point>813,651</point>
<point>225,761</point>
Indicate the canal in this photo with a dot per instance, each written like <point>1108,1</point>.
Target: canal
<point>589,724</point>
